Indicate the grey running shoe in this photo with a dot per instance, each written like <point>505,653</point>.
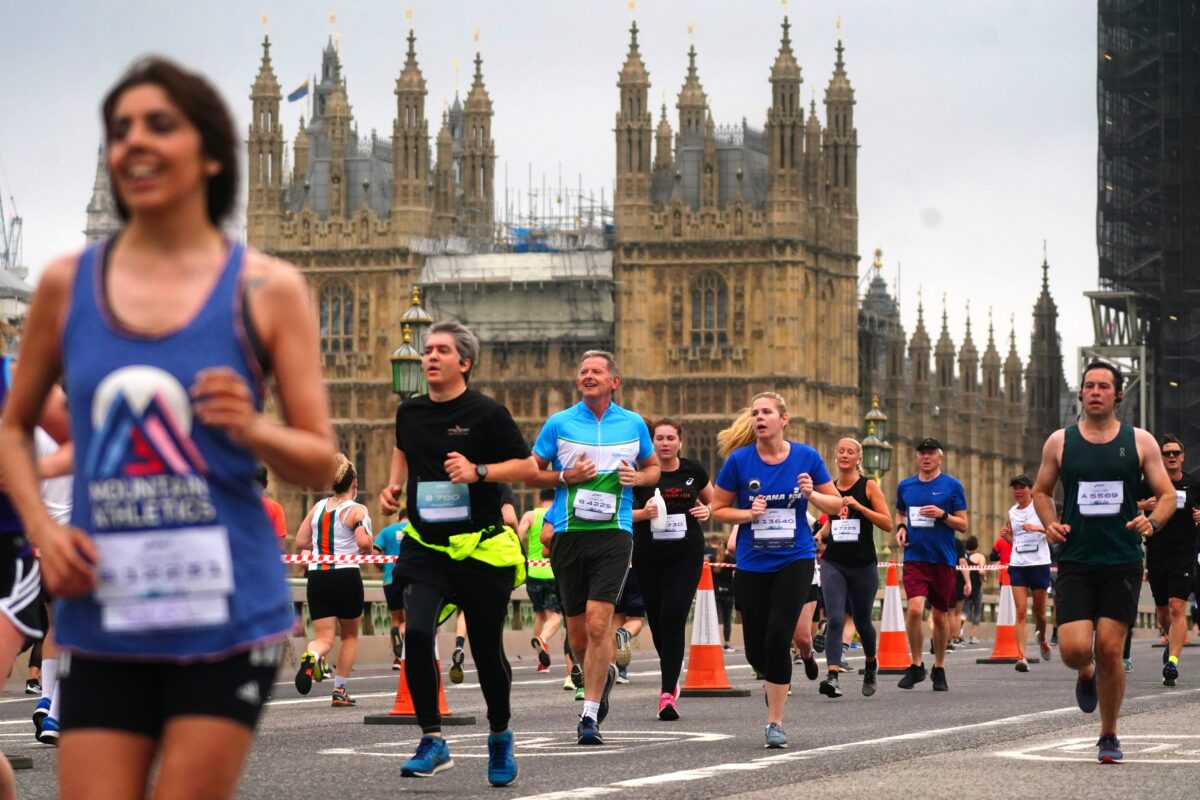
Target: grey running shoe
<point>868,684</point>
<point>624,651</point>
<point>1022,665</point>
<point>776,736</point>
<point>829,687</point>
<point>455,672</point>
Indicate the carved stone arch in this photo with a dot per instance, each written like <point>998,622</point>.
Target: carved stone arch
<point>335,306</point>
<point>709,310</point>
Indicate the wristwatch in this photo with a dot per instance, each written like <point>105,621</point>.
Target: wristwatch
<point>481,471</point>
<point>1155,525</point>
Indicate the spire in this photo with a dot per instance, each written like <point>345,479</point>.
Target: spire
<point>662,154</point>
<point>411,78</point>
<point>634,71</point>
<point>265,83</point>
<point>692,100</point>
<point>102,218</point>
<point>918,345</point>
<point>477,99</point>
<point>785,67</point>
<point>991,356</point>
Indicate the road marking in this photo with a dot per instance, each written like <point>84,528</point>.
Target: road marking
<point>537,744</point>
<point>701,773</point>
<point>323,699</point>
<point>1175,748</point>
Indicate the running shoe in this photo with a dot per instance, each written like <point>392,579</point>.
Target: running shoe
<point>776,736</point>
<point>49,732</point>
<point>667,711</point>
<point>608,685</point>
<point>622,676</point>
<point>540,668</point>
<point>342,698</point>
<point>913,675</point>
<point>432,756</point>
<point>456,665</point>
<point>577,675</point>
<point>1166,653</point>
<point>829,687</point>
<point>624,651</point>
<point>795,656</point>
<point>1045,646</point>
<point>1109,748</point>
<point>868,684</point>
<point>579,694</point>
<point>1022,665</point>
<point>1128,662</point>
<point>33,687</point>
<point>1170,673</point>
<point>1085,694</point>
<point>568,684</point>
<point>325,671</point>
<point>40,712</point>
<point>397,663</point>
<point>938,676</point>
<point>543,655</point>
<point>811,670</point>
<point>588,731</point>
<point>845,665</point>
<point>397,642</point>
<point>819,639</point>
<point>502,767</point>
<point>973,640</point>
<point>729,648</point>
<point>306,674</point>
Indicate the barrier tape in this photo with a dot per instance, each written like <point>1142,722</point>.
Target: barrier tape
<point>377,559</point>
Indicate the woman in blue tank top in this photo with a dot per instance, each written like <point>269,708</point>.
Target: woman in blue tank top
<point>168,579</point>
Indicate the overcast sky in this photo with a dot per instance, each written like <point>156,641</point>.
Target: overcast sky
<point>976,120</point>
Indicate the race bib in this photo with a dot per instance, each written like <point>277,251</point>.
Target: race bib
<point>164,580</point>
<point>1027,542</point>
<point>593,505</point>
<point>845,530</point>
<point>918,520</point>
<point>675,530</point>
<point>775,530</point>
<point>443,501</point>
<point>1100,498</point>
<point>1180,498</point>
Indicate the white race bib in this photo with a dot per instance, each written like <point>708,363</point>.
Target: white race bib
<point>675,530</point>
<point>1100,498</point>
<point>1180,498</point>
<point>593,505</point>
<point>775,530</point>
<point>845,530</point>
<point>443,501</point>
<point>162,580</point>
<point>918,520</point>
<point>1026,542</point>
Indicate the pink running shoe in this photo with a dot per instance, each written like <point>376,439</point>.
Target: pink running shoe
<point>666,707</point>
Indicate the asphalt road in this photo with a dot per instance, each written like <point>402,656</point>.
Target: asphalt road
<point>995,734</point>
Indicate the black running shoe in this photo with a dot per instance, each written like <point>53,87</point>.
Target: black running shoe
<point>1170,673</point>
<point>576,674</point>
<point>811,670</point>
<point>829,687</point>
<point>938,676</point>
<point>868,684</point>
<point>304,675</point>
<point>913,675</point>
<point>1085,694</point>
<point>609,681</point>
<point>397,643</point>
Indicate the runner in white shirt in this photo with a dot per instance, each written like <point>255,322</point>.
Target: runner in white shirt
<point>1029,567</point>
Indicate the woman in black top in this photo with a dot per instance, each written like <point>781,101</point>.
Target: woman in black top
<point>668,562</point>
<point>848,569</point>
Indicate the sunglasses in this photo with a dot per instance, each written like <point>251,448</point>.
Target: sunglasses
<point>1172,453</point>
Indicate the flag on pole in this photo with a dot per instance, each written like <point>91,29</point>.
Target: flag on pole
<point>301,91</point>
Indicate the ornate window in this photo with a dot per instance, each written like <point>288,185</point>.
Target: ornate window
<point>360,466</point>
<point>710,311</point>
<point>337,318</point>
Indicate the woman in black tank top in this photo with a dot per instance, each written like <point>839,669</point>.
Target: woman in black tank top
<point>849,576</point>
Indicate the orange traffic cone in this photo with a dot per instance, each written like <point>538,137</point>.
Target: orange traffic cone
<point>1005,649</point>
<point>893,655</point>
<point>706,664</point>
<point>403,712</point>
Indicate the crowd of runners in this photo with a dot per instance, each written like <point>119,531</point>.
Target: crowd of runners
<point>133,455</point>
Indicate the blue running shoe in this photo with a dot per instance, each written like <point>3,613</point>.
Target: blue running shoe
<point>502,767</point>
<point>776,737</point>
<point>49,732</point>
<point>1170,673</point>
<point>589,731</point>
<point>1085,694</point>
<point>613,673</point>
<point>1110,750</point>
<point>40,712</point>
<point>432,756</point>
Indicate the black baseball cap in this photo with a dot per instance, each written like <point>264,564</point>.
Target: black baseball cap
<point>929,443</point>
<point>1022,480</point>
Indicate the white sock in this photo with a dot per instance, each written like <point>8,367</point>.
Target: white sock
<point>339,682</point>
<point>49,676</point>
<point>590,709</point>
<point>54,705</point>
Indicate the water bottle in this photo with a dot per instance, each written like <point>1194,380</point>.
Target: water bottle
<point>659,523</point>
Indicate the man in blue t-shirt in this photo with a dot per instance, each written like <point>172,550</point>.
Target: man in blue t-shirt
<point>388,543</point>
<point>931,507</point>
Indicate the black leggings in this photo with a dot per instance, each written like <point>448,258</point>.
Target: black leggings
<point>486,608</point>
<point>668,587</point>
<point>725,613</point>
<point>770,603</point>
<point>855,586</point>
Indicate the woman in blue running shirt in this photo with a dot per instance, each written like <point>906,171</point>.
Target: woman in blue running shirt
<point>168,579</point>
<point>765,487</point>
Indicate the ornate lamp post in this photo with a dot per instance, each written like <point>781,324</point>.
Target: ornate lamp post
<point>877,452</point>
<point>408,373</point>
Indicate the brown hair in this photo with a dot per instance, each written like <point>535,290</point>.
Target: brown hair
<point>203,107</point>
<point>674,423</point>
<point>741,431</point>
<point>344,474</point>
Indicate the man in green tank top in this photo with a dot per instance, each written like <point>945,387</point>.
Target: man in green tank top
<point>1101,461</point>
<point>540,583</point>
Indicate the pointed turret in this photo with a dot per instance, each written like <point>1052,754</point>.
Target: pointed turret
<point>968,361</point>
<point>1012,371</point>
<point>991,364</point>
<point>841,151</point>
<point>662,151</point>
<point>943,354</point>
<point>692,102</point>
<point>1044,381</point>
<point>336,123</point>
<point>264,149</point>
<point>919,348</point>
<point>410,150</point>
<point>443,191</point>
<point>710,188</point>
<point>785,120</point>
<point>300,154</point>
<point>633,134</point>
<point>814,173</point>
<point>102,217</point>
<point>478,159</point>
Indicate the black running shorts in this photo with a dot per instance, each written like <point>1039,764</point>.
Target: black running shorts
<point>590,565</point>
<point>1086,592</point>
<point>1169,580</point>
<point>21,587</point>
<point>142,698</point>
<point>335,593</point>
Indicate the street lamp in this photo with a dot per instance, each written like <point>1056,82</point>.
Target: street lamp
<point>877,453</point>
<point>877,418</point>
<point>408,373</point>
<point>416,318</point>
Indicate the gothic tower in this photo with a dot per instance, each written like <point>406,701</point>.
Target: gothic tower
<point>444,199</point>
<point>633,138</point>
<point>918,357</point>
<point>1044,382</point>
<point>102,217</point>
<point>841,155</point>
<point>411,212</point>
<point>692,103</point>
<point>264,151</point>
<point>478,159</point>
<point>785,135</point>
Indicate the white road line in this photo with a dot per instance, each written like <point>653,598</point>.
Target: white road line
<point>702,773</point>
<point>323,699</point>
